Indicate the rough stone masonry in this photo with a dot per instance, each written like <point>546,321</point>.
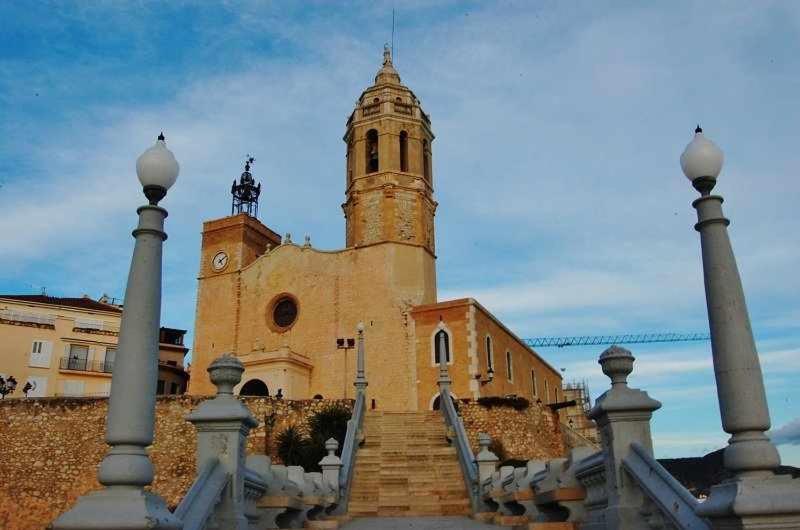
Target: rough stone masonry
<point>50,447</point>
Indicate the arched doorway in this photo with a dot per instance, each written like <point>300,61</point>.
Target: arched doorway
<point>436,404</point>
<point>254,387</point>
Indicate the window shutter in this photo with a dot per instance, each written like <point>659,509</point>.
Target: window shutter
<point>40,354</point>
<point>40,386</point>
<point>73,388</point>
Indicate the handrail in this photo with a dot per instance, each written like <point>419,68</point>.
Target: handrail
<point>672,499</point>
<point>567,429</point>
<point>466,459</point>
<point>199,502</point>
<point>349,450</point>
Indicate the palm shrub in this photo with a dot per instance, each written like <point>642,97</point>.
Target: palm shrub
<point>297,449</point>
<point>292,446</point>
<point>330,422</point>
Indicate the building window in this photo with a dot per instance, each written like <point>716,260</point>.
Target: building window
<point>160,387</point>
<point>372,151</point>
<point>40,354</point>
<point>111,356</point>
<point>78,357</point>
<point>283,312</point>
<point>349,162</point>
<point>534,388</point>
<point>426,160</point>
<point>509,367</point>
<point>546,391</point>
<point>173,388</point>
<point>489,354</point>
<point>403,151</point>
<point>441,338</point>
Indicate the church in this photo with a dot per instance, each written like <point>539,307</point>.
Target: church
<point>289,311</point>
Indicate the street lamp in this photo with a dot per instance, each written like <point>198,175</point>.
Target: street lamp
<point>126,469</point>
<point>756,491</point>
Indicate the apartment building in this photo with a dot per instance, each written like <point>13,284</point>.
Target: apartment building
<point>67,346</point>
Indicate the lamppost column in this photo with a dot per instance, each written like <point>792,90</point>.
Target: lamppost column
<point>444,375</point>
<point>361,380</point>
<point>131,410</point>
<point>126,468</point>
<point>755,497</point>
<point>740,384</point>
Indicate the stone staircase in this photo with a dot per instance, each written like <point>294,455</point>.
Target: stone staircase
<point>407,468</point>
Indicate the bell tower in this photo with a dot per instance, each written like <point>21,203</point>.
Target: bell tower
<point>389,171</point>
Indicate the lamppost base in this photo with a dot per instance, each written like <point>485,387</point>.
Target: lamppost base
<point>118,508</point>
<point>771,502</point>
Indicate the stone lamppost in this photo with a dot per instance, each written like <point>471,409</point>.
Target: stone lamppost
<point>756,497</point>
<point>126,469</point>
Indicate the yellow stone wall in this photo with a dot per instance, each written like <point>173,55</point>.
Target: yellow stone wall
<point>468,323</point>
<point>334,291</point>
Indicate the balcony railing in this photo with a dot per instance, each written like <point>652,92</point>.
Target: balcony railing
<point>96,325</point>
<point>31,318</point>
<point>85,365</point>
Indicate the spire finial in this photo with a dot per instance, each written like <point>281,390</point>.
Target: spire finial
<point>387,54</point>
<point>161,136</point>
<point>698,129</point>
<point>248,162</point>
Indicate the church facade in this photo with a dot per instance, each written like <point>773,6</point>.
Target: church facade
<point>287,310</point>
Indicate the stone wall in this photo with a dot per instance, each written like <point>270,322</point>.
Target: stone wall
<point>532,433</point>
<point>50,449</point>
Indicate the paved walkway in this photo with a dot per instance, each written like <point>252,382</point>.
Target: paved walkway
<point>417,523</point>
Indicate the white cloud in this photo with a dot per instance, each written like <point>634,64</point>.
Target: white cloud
<point>788,433</point>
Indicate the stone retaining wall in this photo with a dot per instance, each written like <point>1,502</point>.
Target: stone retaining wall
<point>50,449</point>
<point>532,433</point>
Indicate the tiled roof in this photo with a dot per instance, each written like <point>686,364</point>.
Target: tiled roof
<point>83,303</point>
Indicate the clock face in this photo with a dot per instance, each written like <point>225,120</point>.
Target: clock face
<point>220,261</point>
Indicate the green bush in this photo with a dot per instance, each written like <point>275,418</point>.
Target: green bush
<point>292,446</point>
<point>330,422</point>
<point>297,449</point>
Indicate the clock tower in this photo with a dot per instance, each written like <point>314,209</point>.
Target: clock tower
<point>228,245</point>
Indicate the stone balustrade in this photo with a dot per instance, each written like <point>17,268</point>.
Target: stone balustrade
<point>619,487</point>
<point>236,492</point>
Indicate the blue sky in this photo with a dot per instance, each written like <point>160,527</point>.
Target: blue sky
<point>559,126</point>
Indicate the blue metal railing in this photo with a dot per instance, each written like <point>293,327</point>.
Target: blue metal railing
<point>466,460</point>
<point>349,450</point>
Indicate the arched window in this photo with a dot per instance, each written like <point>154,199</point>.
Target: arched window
<point>403,151</point>
<point>546,392</point>
<point>372,151</point>
<point>349,162</point>
<point>489,354</point>
<point>437,346</point>
<point>534,387</point>
<point>254,387</point>
<point>509,367</point>
<point>426,160</point>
